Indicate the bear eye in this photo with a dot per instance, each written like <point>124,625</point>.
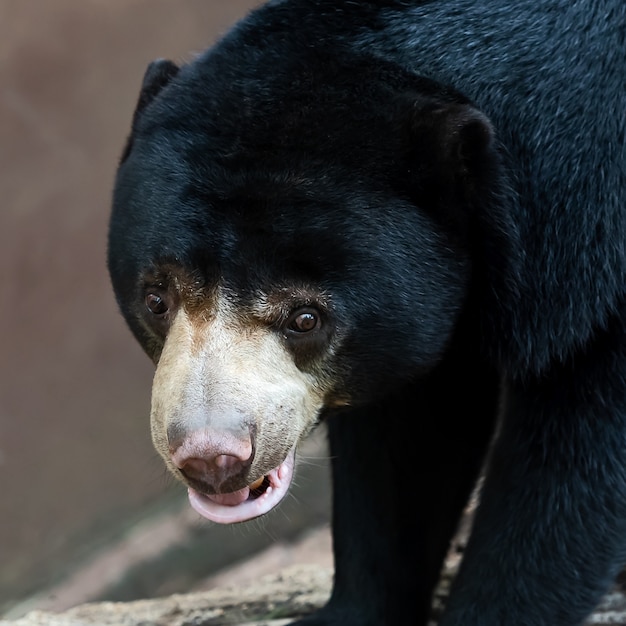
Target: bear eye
<point>303,321</point>
<point>156,304</point>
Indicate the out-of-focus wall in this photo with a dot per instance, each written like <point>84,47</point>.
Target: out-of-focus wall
<point>76,461</point>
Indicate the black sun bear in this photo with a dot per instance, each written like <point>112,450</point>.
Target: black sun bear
<point>406,220</point>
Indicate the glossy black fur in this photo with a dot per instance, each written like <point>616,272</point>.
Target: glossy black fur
<point>453,174</point>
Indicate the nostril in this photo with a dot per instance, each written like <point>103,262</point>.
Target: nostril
<point>196,469</point>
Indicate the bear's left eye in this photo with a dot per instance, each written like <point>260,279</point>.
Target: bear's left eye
<point>156,304</point>
<point>303,320</point>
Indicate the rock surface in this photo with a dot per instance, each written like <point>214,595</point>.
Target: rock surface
<point>273,600</point>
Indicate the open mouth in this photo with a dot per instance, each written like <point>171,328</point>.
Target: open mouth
<point>247,503</point>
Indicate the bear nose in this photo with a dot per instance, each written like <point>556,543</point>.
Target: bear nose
<point>207,469</point>
<point>212,460</point>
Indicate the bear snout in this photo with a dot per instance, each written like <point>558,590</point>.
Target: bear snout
<point>212,461</point>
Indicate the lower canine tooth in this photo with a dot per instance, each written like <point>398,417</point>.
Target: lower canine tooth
<point>257,483</point>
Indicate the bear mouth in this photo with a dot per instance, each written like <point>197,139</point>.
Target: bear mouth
<point>247,503</point>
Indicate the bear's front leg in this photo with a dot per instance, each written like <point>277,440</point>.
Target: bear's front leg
<point>403,470</point>
<point>549,535</point>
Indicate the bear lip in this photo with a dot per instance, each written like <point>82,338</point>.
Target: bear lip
<point>229,508</point>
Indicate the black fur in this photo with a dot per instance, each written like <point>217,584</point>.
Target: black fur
<point>453,174</point>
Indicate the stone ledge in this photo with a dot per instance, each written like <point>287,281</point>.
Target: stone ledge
<point>275,599</point>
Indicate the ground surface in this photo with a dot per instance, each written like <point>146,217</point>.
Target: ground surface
<point>268,590</point>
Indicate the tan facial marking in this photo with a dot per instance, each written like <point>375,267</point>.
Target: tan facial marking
<point>219,372</point>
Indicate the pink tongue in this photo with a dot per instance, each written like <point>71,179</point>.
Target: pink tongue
<point>230,499</point>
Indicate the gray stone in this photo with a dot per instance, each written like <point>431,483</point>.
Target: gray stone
<point>275,599</point>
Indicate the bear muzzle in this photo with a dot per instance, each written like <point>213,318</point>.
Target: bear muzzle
<point>216,464</point>
<point>252,501</point>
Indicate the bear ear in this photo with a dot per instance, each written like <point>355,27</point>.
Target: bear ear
<point>469,138</point>
<point>454,148</point>
<point>158,74</point>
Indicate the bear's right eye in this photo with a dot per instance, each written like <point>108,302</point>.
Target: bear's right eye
<point>155,303</point>
<point>303,321</point>
<point>307,332</point>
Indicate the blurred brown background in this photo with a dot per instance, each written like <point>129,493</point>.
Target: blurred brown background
<point>78,476</point>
